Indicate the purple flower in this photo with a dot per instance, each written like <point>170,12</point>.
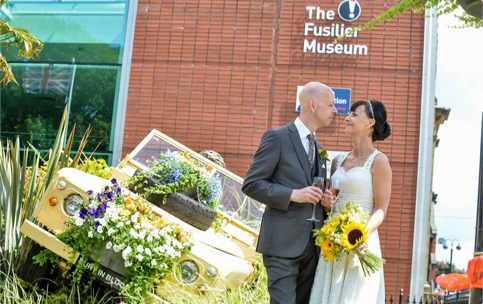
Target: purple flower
<point>83,213</point>
<point>107,188</point>
<point>114,181</point>
<point>90,192</point>
<point>102,208</point>
<point>96,224</point>
<point>118,189</point>
<point>95,213</point>
<point>100,196</point>
<point>109,195</point>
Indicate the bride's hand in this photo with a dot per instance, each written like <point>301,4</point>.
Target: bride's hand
<point>328,199</point>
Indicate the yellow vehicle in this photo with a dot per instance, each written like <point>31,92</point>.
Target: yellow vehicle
<point>219,260</point>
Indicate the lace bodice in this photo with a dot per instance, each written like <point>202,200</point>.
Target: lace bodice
<point>355,185</point>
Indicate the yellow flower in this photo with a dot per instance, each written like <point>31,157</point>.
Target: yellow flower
<point>354,233</point>
<point>324,155</point>
<point>329,256</point>
<point>327,245</point>
<point>124,212</point>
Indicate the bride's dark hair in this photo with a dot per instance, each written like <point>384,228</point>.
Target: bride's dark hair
<point>375,109</point>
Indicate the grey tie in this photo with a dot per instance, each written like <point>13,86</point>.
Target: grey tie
<point>311,139</point>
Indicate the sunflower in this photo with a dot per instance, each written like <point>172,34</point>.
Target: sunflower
<point>354,234</point>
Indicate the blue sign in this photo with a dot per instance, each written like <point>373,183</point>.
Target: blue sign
<point>349,10</point>
<point>342,100</point>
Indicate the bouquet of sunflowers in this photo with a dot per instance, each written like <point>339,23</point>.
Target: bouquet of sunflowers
<point>346,231</point>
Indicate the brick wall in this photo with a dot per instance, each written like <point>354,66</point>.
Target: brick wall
<point>216,74</point>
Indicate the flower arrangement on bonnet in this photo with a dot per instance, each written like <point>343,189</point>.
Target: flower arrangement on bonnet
<point>177,171</point>
<point>149,245</point>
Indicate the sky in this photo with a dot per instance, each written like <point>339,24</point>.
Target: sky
<point>459,86</point>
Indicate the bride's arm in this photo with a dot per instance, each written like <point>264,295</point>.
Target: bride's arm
<point>381,184</point>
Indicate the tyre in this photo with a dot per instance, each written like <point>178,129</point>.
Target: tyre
<point>182,206</point>
<point>32,272</point>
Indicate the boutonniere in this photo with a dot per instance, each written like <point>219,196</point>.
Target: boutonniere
<point>323,155</point>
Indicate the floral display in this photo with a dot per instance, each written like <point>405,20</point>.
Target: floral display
<point>149,245</point>
<point>346,232</point>
<point>324,155</point>
<point>177,171</point>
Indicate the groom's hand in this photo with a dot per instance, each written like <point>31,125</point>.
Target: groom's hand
<point>306,195</point>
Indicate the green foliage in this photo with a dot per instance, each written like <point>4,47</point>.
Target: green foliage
<point>443,267</point>
<point>442,7</point>
<point>22,186</point>
<point>97,167</point>
<point>28,46</point>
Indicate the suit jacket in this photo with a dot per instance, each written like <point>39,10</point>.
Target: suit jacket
<point>279,166</point>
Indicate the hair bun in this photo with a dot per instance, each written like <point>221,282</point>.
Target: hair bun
<point>387,130</point>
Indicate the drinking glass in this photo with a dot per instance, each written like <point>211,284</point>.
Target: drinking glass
<point>319,183</point>
<point>334,188</point>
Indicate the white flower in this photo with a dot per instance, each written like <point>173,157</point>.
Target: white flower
<point>99,229</point>
<point>171,252</point>
<point>110,231</point>
<point>120,224</point>
<point>102,221</point>
<point>140,248</point>
<point>149,238</point>
<point>126,252</point>
<point>142,234</point>
<point>136,226</point>
<point>134,234</point>
<point>93,204</point>
<point>135,217</point>
<point>146,224</point>
<point>116,248</point>
<point>148,251</point>
<point>79,221</point>
<point>140,257</point>
<point>153,262</point>
<point>108,245</point>
<point>127,263</point>
<point>89,234</point>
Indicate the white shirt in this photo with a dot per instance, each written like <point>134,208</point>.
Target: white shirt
<point>303,132</point>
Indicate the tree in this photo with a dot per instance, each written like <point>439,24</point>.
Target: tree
<point>443,267</point>
<point>28,46</point>
<point>472,17</point>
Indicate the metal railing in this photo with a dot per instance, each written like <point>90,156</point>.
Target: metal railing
<point>459,297</point>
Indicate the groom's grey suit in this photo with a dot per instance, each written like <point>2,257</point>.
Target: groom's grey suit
<point>281,165</point>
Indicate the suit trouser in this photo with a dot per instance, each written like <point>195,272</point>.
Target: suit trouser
<point>290,279</point>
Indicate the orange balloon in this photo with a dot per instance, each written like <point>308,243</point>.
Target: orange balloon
<point>453,281</point>
<point>475,272</point>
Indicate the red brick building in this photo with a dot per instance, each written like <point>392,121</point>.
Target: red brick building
<point>217,74</point>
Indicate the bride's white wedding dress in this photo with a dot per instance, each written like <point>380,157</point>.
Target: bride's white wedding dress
<point>342,281</point>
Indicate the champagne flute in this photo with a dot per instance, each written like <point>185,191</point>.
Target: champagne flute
<point>319,183</point>
<point>334,188</point>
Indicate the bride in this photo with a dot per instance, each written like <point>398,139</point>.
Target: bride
<point>364,176</point>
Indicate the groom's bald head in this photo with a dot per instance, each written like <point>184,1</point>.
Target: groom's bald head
<point>316,105</point>
<point>314,90</point>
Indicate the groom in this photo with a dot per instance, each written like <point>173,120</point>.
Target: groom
<point>280,177</point>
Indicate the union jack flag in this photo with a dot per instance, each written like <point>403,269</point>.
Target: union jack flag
<point>47,79</point>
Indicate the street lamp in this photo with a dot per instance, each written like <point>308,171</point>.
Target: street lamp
<point>445,242</point>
